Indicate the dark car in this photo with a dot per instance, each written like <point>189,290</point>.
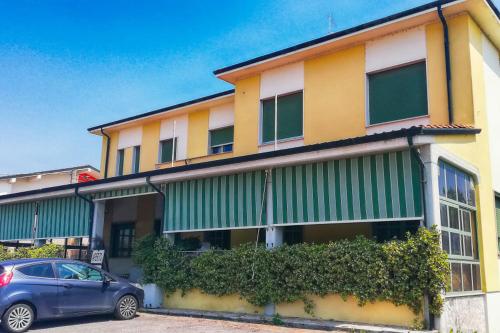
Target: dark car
<point>41,289</point>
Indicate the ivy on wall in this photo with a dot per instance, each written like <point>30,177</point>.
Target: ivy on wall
<point>401,272</point>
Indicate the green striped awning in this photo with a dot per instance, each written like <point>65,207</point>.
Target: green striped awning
<point>63,217</point>
<point>377,187</point>
<point>16,221</point>
<point>124,192</point>
<point>221,202</point>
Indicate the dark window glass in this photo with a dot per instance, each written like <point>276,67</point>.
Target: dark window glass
<point>467,246</point>
<point>445,239</point>
<point>442,180</point>
<point>166,150</point>
<point>466,220</point>
<point>122,239</point>
<point>451,183</point>
<point>471,193</point>
<point>119,162</point>
<point>398,93</point>
<point>456,277</point>
<point>290,117</point>
<point>455,243</point>
<point>222,136</point>
<point>136,159</point>
<point>462,187</point>
<point>387,231</point>
<point>293,234</point>
<point>453,217</point>
<point>39,270</point>
<point>220,239</point>
<point>476,276</point>
<point>497,210</point>
<point>467,277</point>
<point>71,271</point>
<point>444,215</point>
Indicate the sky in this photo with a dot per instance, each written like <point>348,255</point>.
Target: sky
<point>66,65</point>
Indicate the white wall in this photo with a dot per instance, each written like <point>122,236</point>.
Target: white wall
<point>221,116</point>
<point>33,183</point>
<point>282,80</point>
<point>130,137</point>
<point>5,187</point>
<point>492,92</point>
<point>396,49</point>
<point>181,133</point>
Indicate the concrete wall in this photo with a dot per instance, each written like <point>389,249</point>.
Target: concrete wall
<point>464,314</point>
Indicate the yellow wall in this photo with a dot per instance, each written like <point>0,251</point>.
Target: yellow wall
<point>149,146</point>
<point>127,160</point>
<point>113,147</point>
<point>475,149</point>
<point>330,307</point>
<point>246,116</point>
<point>198,134</point>
<point>334,95</point>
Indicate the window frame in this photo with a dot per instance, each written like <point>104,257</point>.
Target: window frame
<point>210,147</point>
<point>160,150</point>
<point>136,158</point>
<point>115,236</point>
<point>261,118</point>
<point>120,160</point>
<point>385,69</point>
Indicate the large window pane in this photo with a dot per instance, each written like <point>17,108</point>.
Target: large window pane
<point>455,244</point>
<point>456,277</point>
<point>136,159</point>
<point>444,215</point>
<point>467,277</point>
<point>476,276</point>
<point>166,149</point>
<point>453,217</point>
<point>119,162</point>
<point>290,119</point>
<point>445,239</point>
<point>442,180</point>
<point>462,187</point>
<point>451,183</point>
<point>466,220</point>
<point>398,93</point>
<point>221,136</point>
<point>471,193</point>
<point>467,240</point>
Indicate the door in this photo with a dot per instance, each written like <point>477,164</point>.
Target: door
<point>40,280</point>
<point>82,289</point>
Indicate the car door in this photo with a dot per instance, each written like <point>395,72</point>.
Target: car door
<point>40,281</point>
<point>82,289</point>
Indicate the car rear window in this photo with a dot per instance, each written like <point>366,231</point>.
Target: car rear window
<point>38,270</point>
<point>2,270</point>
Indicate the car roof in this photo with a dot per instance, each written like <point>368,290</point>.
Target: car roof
<point>15,262</point>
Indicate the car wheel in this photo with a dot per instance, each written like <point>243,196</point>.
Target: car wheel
<point>126,307</point>
<point>18,318</point>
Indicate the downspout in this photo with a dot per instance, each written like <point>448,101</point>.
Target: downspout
<point>106,161</point>
<point>414,151</point>
<point>163,199</point>
<point>91,217</point>
<point>447,62</point>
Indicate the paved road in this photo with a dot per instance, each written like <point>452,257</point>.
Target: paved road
<point>150,323</point>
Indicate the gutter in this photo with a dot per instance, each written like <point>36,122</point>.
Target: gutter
<point>447,61</point>
<point>91,217</point>
<point>163,199</point>
<point>108,143</point>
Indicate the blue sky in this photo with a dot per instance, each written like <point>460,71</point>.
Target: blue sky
<point>67,65</point>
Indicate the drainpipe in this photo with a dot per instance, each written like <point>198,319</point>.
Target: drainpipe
<point>447,62</point>
<point>91,216</point>
<point>163,199</point>
<point>108,142</point>
<point>429,318</point>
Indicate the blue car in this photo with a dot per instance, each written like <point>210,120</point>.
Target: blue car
<point>41,289</point>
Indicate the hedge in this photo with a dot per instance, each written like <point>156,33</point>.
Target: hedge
<point>45,251</point>
<point>401,272</point>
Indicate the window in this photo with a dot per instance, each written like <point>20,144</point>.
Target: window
<point>289,118</point>
<point>220,239</point>
<point>120,156</point>
<point>39,270</point>
<point>82,272</point>
<point>387,231</point>
<point>497,211</point>
<point>293,234</point>
<point>136,158</point>
<point>397,94</point>
<point>122,238</point>
<point>458,228</point>
<point>221,140</point>
<point>167,150</point>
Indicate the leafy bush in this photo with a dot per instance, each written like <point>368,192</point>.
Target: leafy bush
<point>45,251</point>
<point>401,272</point>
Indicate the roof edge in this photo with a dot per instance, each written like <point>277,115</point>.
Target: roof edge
<point>28,174</point>
<point>165,109</point>
<point>405,132</point>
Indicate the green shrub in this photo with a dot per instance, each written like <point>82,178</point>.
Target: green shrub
<point>45,251</point>
<point>401,272</point>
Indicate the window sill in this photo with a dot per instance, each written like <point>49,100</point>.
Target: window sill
<point>457,294</point>
<point>282,144</point>
<point>398,124</point>
<point>192,160</point>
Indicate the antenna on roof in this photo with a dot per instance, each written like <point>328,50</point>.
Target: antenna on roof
<point>330,23</point>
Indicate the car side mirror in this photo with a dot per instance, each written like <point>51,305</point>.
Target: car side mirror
<point>106,280</point>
